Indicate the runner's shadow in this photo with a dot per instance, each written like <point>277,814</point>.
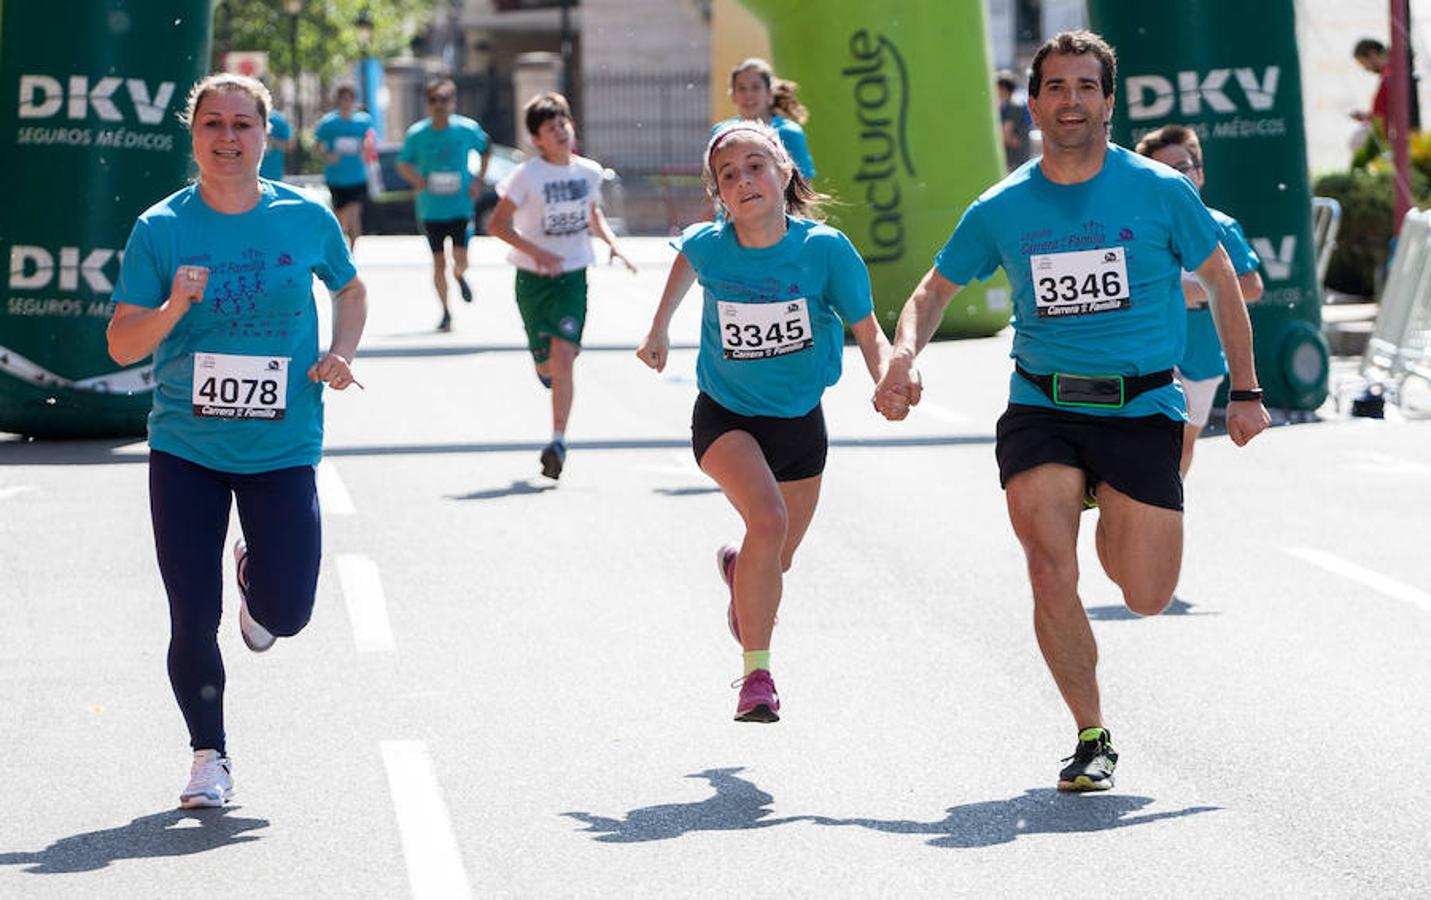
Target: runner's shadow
<point>174,832</point>
<point>518,488</point>
<point>687,491</point>
<point>1121,613</point>
<point>737,805</point>
<point>1037,811</point>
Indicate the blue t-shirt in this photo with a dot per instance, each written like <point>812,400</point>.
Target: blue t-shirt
<point>771,331</point>
<point>1116,311</point>
<point>1203,357</point>
<point>441,157</point>
<point>791,135</point>
<point>344,137</point>
<point>273,157</point>
<point>259,303</point>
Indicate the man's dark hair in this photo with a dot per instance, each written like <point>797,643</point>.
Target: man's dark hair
<point>1075,43</point>
<point>1005,79</point>
<point>1366,47</point>
<point>437,84</point>
<point>1172,136</point>
<point>543,107</point>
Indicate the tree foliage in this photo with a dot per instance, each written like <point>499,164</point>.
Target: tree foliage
<point>328,41</point>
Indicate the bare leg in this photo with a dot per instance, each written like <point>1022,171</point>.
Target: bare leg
<point>562,362</point>
<point>1044,506</point>
<point>1190,434</point>
<point>439,278</point>
<point>1141,548</point>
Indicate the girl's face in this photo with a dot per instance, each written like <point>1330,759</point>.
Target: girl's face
<point>750,182</point>
<point>228,135</point>
<point>751,94</point>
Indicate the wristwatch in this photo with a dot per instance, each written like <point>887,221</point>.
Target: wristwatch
<point>1250,394</point>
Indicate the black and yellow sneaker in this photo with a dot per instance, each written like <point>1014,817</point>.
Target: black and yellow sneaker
<point>1091,766</point>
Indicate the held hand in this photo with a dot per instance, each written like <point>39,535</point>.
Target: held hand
<point>617,254</point>
<point>1245,420</point>
<point>336,371</point>
<point>899,390</point>
<point>654,349</point>
<point>548,263</point>
<point>189,284</point>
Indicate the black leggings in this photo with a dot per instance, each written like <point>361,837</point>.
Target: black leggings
<point>189,504</point>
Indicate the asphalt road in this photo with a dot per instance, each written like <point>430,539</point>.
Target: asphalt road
<point>514,688</point>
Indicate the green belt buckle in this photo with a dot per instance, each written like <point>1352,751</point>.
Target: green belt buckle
<point>1089,391</point>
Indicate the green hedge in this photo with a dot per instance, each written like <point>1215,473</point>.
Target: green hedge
<point>1364,240</point>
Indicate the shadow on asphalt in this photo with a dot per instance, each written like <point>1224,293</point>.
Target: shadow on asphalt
<point>103,452</point>
<point>174,832</point>
<point>472,349</point>
<point>1120,613</point>
<point>686,491</point>
<point>1036,811</point>
<point>737,805</point>
<point>517,488</point>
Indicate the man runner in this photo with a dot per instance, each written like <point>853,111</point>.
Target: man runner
<point>1093,239</point>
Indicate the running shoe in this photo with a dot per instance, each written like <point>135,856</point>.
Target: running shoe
<point>553,458</point>
<point>465,289</point>
<point>445,324</point>
<point>758,700</point>
<point>1090,498</point>
<point>255,636</point>
<point>545,380</point>
<point>211,781</point>
<point>1091,766</point>
<point>725,562</point>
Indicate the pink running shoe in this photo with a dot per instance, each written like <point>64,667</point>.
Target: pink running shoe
<point>725,562</point>
<point>758,700</point>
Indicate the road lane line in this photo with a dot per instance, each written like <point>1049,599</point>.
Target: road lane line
<point>367,610</point>
<point>7,492</point>
<point>1398,590</point>
<point>434,864</point>
<point>333,496</point>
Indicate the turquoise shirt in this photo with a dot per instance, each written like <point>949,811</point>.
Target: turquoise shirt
<point>1096,271</point>
<point>440,156</point>
<point>344,137</point>
<point>792,136</point>
<point>1203,357</point>
<point>273,157</point>
<point>259,303</point>
<point>771,329</point>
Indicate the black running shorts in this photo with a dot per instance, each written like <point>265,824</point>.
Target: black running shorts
<point>793,448</point>
<point>344,194</point>
<point>439,230</point>
<point>1137,455</point>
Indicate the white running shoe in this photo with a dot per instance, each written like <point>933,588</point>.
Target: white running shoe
<point>255,636</point>
<point>211,781</point>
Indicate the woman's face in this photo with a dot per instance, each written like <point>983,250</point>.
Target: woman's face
<point>228,135</point>
<point>751,94</point>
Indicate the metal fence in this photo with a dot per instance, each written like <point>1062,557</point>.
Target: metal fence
<point>644,124</point>
<point>1400,346</point>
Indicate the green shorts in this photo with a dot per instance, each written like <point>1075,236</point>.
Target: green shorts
<point>551,307</point>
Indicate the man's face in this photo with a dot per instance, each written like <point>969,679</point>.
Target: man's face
<point>1178,157</point>
<point>1070,107</point>
<point>1373,62</point>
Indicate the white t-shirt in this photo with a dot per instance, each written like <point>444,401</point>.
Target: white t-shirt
<point>554,209</point>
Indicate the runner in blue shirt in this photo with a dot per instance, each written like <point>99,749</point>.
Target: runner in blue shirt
<point>436,160</point>
<point>216,283</point>
<point>1203,365</point>
<point>1093,239</point>
<point>760,96</point>
<point>342,135</point>
<point>779,288</point>
<point>280,141</point>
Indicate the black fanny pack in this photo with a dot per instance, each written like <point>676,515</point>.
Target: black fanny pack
<point>1098,391</point>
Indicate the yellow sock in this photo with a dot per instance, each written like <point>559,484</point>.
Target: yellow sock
<point>756,659</point>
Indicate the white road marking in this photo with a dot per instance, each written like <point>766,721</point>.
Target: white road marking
<point>434,864</point>
<point>333,497</point>
<point>367,610</point>
<point>1398,590</point>
<point>7,492</point>
<point>1386,464</point>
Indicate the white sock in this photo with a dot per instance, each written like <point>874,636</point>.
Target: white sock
<point>559,437</point>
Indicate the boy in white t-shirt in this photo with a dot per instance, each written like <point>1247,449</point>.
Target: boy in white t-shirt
<point>549,208</point>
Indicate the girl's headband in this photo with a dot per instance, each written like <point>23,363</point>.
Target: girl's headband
<point>763,134</point>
